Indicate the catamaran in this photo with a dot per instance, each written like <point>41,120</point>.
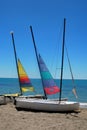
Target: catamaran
<point>49,87</point>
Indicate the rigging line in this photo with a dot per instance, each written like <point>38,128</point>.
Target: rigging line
<point>56,72</point>
<point>74,89</point>
<point>69,64</point>
<point>57,53</point>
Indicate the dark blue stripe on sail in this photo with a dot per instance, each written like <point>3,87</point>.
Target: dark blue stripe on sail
<point>40,60</point>
<point>49,83</point>
<point>43,67</point>
<point>26,85</point>
<point>42,64</point>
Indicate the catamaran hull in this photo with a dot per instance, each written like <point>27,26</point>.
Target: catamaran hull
<point>46,105</point>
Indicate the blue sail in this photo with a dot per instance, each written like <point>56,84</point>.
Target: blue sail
<point>49,85</point>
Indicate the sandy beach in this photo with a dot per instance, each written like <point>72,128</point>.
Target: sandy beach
<point>11,119</point>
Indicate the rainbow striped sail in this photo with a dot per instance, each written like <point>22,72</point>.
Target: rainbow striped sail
<point>47,79</point>
<point>25,82</point>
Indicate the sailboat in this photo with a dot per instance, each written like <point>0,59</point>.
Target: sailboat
<point>47,104</point>
<point>26,87</point>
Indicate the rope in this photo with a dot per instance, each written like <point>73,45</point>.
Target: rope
<point>74,89</point>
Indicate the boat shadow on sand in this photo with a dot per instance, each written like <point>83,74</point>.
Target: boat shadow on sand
<point>42,111</point>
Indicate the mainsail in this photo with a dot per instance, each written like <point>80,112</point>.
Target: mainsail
<point>49,85</point>
<point>25,82</point>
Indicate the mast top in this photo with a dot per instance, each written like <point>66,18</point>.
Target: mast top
<point>11,32</point>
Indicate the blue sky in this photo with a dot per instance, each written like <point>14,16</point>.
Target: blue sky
<point>46,18</point>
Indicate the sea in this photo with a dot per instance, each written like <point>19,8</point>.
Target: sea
<point>11,86</point>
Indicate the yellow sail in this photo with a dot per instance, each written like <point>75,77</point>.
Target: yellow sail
<point>25,82</point>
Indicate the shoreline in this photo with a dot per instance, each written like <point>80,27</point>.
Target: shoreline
<point>83,105</point>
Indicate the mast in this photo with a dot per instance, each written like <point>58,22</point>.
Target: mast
<point>16,58</point>
<point>62,63</point>
<point>37,57</point>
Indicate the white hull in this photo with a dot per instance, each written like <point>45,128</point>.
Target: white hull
<point>46,105</point>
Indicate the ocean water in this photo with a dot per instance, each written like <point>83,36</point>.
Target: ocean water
<point>11,85</point>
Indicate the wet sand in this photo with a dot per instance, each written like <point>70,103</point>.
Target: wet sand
<point>11,119</point>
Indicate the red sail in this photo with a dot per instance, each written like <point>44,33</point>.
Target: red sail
<point>52,90</point>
